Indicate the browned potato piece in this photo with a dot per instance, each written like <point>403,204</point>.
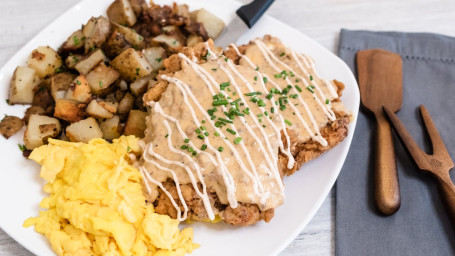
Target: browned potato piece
<point>109,106</point>
<point>101,78</point>
<point>72,60</point>
<point>22,84</point>
<point>137,6</point>
<point>135,125</point>
<point>182,10</point>
<point>33,110</point>
<point>39,129</point>
<point>69,110</point>
<point>192,40</point>
<point>111,128</point>
<point>132,65</point>
<point>10,125</point>
<point>172,42</point>
<point>139,86</point>
<point>155,56</point>
<point>44,60</point>
<point>154,93</point>
<point>120,11</point>
<point>60,83</point>
<point>136,40</point>
<point>79,90</point>
<point>74,42</point>
<point>116,44</point>
<point>84,66</point>
<point>84,130</point>
<point>96,110</point>
<point>43,98</point>
<point>212,24</point>
<point>96,32</point>
<point>125,105</point>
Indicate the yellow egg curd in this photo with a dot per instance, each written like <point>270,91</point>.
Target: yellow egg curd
<point>96,204</point>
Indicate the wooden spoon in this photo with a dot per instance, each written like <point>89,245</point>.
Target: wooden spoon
<point>380,82</point>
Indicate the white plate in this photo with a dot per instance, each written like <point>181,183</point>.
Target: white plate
<point>20,185</point>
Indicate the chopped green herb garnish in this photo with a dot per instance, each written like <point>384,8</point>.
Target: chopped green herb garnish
<point>220,102</point>
<point>297,80</point>
<point>255,78</point>
<point>264,79</point>
<point>101,84</point>
<point>224,85</point>
<point>266,113</point>
<point>78,82</point>
<point>246,111</point>
<point>203,121</point>
<point>282,107</point>
<point>206,133</point>
<point>137,71</point>
<point>298,88</point>
<point>309,89</point>
<point>158,59</point>
<point>76,40</point>
<point>226,59</point>
<point>253,93</point>
<point>128,149</point>
<point>220,149</point>
<point>213,118</point>
<point>218,124</point>
<point>278,75</point>
<point>140,38</point>
<point>214,69</point>
<point>282,54</point>
<point>269,96</point>
<point>216,134</point>
<point>186,140</point>
<point>225,120</point>
<point>327,101</point>
<point>237,140</point>
<point>311,78</point>
<point>234,93</point>
<point>167,135</point>
<point>261,103</point>
<point>194,153</point>
<point>257,68</point>
<point>287,122</point>
<point>231,131</point>
<point>272,110</point>
<point>203,147</point>
<point>174,42</point>
<point>184,147</point>
<point>190,149</point>
<point>200,136</point>
<point>21,147</point>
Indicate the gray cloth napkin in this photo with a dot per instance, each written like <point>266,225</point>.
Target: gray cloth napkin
<point>421,226</point>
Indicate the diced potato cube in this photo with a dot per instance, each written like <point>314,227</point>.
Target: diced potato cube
<point>75,41</point>
<point>101,78</point>
<point>60,83</point>
<point>212,24</point>
<point>84,130</point>
<point>125,105</point>
<point>111,128</point>
<point>69,110</point>
<point>136,40</point>
<point>84,66</point>
<point>96,110</point>
<point>116,44</point>
<point>139,86</point>
<point>95,32</point>
<point>39,129</point>
<point>79,90</point>
<point>120,11</point>
<point>135,125</point>
<point>155,56</point>
<point>132,65</point>
<point>172,42</point>
<point>22,84</point>
<point>44,60</point>
<point>137,6</point>
<point>192,40</point>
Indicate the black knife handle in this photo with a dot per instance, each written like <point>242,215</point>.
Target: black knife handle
<point>250,13</point>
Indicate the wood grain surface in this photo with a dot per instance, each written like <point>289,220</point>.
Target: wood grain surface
<point>321,20</point>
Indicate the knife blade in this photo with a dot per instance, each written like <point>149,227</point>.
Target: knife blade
<point>245,18</point>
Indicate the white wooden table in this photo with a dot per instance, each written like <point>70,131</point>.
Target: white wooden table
<point>322,20</point>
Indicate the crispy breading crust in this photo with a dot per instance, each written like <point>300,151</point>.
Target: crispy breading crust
<point>244,214</point>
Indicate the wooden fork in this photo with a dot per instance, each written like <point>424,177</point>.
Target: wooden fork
<point>438,164</point>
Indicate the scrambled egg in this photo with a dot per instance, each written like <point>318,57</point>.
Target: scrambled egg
<point>96,205</point>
